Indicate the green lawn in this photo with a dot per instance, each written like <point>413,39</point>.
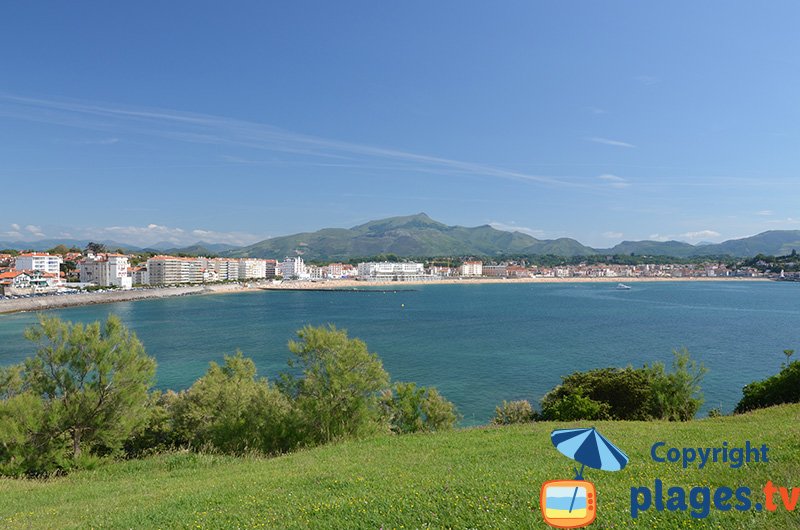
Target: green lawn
<point>473,478</point>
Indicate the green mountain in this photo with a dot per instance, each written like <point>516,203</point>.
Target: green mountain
<point>414,235</point>
<point>772,242</point>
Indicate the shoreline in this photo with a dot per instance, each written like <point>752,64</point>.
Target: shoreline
<point>44,303</point>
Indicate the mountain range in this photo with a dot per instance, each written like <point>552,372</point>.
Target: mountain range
<point>420,236</point>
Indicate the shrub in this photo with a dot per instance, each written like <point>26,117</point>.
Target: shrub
<point>676,395</point>
<point>408,408</point>
<point>783,387</point>
<point>337,394</point>
<point>229,410</point>
<point>513,412</point>
<point>629,393</point>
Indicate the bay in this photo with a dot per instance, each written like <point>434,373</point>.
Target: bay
<point>478,344</point>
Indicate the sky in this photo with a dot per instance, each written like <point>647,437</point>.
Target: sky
<point>148,121</point>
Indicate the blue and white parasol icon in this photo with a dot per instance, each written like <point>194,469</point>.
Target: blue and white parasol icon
<point>589,448</point>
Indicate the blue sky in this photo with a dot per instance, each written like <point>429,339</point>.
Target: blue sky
<point>603,121</point>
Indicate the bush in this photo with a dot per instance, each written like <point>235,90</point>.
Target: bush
<point>629,393</point>
<point>511,412</point>
<point>337,394</point>
<point>676,395</point>
<point>408,408</point>
<point>231,411</point>
<point>783,387</point>
<point>606,393</point>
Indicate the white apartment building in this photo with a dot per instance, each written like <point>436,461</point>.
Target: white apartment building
<point>334,271</point>
<point>224,268</point>
<point>471,268</point>
<point>389,271</point>
<point>170,269</point>
<point>293,268</point>
<point>106,270</point>
<point>140,276</point>
<point>39,261</point>
<point>252,268</point>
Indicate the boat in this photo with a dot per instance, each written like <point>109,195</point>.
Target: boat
<point>623,287</point>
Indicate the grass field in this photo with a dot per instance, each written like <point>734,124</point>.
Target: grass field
<point>473,478</point>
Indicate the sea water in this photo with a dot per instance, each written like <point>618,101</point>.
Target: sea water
<point>478,344</point>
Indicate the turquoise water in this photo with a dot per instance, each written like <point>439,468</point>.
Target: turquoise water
<point>479,344</point>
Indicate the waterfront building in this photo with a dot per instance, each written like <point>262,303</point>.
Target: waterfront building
<point>471,268</point>
<point>270,268</point>
<point>293,269</point>
<point>19,282</point>
<point>252,268</point>
<point>164,270</point>
<point>334,271</point>
<point>106,270</point>
<point>139,275</point>
<point>390,271</point>
<point>39,261</point>
<point>495,271</point>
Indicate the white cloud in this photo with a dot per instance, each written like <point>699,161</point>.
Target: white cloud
<point>609,141</point>
<point>614,181</point>
<point>513,227</point>
<point>34,230</point>
<point>765,213</point>
<point>15,227</point>
<point>613,235</point>
<point>701,234</point>
<point>690,236</point>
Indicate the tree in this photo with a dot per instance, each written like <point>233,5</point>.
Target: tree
<point>676,395</point>
<point>788,354</point>
<point>59,249</point>
<point>228,409</point>
<point>96,248</point>
<point>336,395</point>
<point>409,408</point>
<point>93,380</point>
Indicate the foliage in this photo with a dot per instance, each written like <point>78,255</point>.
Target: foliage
<point>337,394</point>
<point>409,408</point>
<point>629,393</point>
<point>511,412</point>
<point>783,387</point>
<point>676,395</point>
<point>85,387</point>
<point>229,410</point>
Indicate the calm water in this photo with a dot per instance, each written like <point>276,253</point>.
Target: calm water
<point>479,344</point>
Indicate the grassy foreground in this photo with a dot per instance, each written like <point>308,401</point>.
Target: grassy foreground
<point>473,478</point>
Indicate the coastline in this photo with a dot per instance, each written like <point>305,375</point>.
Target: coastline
<point>43,303</point>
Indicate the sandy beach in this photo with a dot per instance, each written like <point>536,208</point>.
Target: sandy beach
<point>42,303</point>
<point>349,284</point>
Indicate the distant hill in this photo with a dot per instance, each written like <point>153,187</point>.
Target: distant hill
<point>419,235</point>
<point>414,235</point>
<point>772,242</point>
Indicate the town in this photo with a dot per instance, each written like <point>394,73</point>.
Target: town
<point>35,273</point>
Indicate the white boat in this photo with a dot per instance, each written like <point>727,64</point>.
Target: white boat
<point>623,287</point>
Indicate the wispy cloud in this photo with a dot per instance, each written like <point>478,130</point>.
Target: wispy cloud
<point>34,230</point>
<point>140,236</point>
<point>513,227</point>
<point>613,235</point>
<point>691,237</point>
<point>614,181</point>
<point>765,213</point>
<point>221,131</point>
<point>609,141</point>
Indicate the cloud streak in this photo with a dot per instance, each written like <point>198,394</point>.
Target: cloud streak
<point>609,141</point>
<point>221,131</point>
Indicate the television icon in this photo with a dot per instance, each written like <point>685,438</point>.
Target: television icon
<point>568,503</point>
